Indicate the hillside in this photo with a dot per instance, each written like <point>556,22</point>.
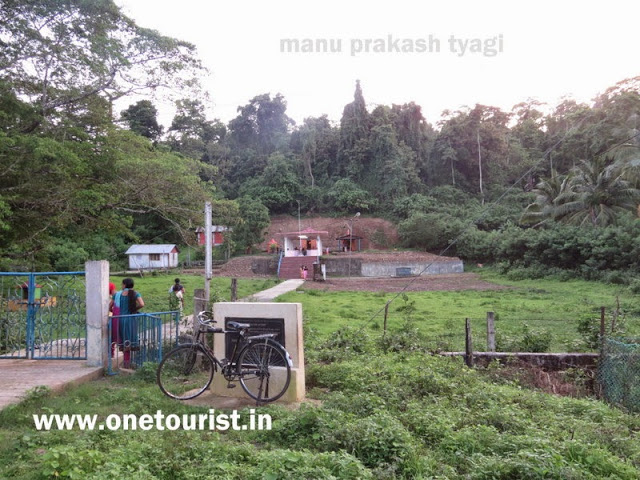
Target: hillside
<point>378,233</point>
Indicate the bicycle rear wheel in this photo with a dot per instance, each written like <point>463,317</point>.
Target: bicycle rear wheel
<point>264,370</point>
<point>185,372</point>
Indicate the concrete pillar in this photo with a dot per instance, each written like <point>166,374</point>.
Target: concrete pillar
<point>97,295</point>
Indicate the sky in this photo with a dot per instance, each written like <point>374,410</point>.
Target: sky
<point>440,55</point>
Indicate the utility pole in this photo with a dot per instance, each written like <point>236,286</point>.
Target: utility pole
<point>208,258</point>
<point>299,228</point>
<point>351,239</point>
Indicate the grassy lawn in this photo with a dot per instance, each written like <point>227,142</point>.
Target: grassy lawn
<point>543,307</point>
<point>154,288</point>
<point>379,412</point>
<point>402,415</point>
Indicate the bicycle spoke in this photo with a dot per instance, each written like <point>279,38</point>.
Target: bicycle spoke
<point>264,371</point>
<point>185,372</point>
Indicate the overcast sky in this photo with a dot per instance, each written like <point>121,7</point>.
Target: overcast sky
<point>550,49</point>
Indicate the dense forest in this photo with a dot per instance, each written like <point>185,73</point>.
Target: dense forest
<point>536,189</point>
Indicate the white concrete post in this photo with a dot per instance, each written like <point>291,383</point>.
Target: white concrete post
<point>97,295</point>
<point>291,313</point>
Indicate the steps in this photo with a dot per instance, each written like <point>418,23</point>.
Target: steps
<point>290,266</point>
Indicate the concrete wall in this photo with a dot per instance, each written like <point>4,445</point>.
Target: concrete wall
<point>359,268</point>
<point>389,269</point>
<point>340,266</point>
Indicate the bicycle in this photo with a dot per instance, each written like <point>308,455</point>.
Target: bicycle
<point>258,362</point>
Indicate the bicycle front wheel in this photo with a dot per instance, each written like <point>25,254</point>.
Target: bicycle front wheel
<point>185,372</point>
<point>264,370</point>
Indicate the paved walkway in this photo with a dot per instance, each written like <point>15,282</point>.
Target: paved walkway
<point>18,376</point>
<point>271,293</point>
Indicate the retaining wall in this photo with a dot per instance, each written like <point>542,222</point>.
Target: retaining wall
<point>548,361</point>
<point>389,269</point>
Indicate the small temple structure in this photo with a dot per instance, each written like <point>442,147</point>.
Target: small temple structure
<point>303,243</point>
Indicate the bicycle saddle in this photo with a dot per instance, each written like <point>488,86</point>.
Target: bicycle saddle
<point>237,325</point>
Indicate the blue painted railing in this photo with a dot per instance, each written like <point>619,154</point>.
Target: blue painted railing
<point>43,315</point>
<point>139,338</point>
<point>280,257</point>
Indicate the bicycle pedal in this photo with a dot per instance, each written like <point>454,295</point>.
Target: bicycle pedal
<point>231,385</point>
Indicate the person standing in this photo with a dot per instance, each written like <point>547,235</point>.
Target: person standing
<point>176,295</point>
<point>113,318</point>
<point>127,302</point>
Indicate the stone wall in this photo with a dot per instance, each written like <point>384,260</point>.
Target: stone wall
<point>265,266</point>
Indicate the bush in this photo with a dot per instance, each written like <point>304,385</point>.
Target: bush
<point>430,231</point>
<point>537,341</point>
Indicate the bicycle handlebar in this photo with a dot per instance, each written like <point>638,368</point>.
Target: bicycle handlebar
<point>205,319</point>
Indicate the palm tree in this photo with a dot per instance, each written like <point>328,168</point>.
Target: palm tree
<point>542,210</point>
<point>596,193</point>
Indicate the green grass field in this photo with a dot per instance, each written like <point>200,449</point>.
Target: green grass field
<point>378,412</point>
<point>543,306</point>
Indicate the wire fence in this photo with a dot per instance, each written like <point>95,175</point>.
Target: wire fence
<point>619,372</point>
<point>574,333</point>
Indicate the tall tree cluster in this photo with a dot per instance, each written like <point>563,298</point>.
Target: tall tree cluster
<point>377,158</point>
<point>73,184</point>
<point>79,180</point>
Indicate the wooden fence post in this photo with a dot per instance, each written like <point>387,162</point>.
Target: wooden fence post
<point>386,313</point>
<point>234,289</point>
<point>468,357</point>
<point>491,332</point>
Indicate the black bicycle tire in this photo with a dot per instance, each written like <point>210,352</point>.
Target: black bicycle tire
<point>185,349</point>
<point>285,362</point>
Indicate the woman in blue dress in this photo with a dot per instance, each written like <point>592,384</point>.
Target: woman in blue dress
<point>127,302</point>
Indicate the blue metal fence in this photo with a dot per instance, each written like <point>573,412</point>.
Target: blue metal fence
<point>139,338</point>
<point>43,315</point>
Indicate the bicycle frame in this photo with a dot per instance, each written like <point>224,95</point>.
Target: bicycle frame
<point>228,363</point>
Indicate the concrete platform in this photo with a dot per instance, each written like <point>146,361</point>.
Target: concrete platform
<point>18,376</point>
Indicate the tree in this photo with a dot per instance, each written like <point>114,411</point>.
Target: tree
<point>346,196</point>
<point>262,125</point>
<point>392,173</point>
<point>192,135</point>
<point>412,128</point>
<point>56,54</point>
<point>254,219</point>
<point>596,193</point>
<point>260,129</point>
<point>142,118</point>
<point>547,191</point>
<point>472,148</point>
<point>316,142</point>
<point>277,187</point>
<point>354,133</point>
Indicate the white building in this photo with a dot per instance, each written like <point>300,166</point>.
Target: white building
<point>150,257</point>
